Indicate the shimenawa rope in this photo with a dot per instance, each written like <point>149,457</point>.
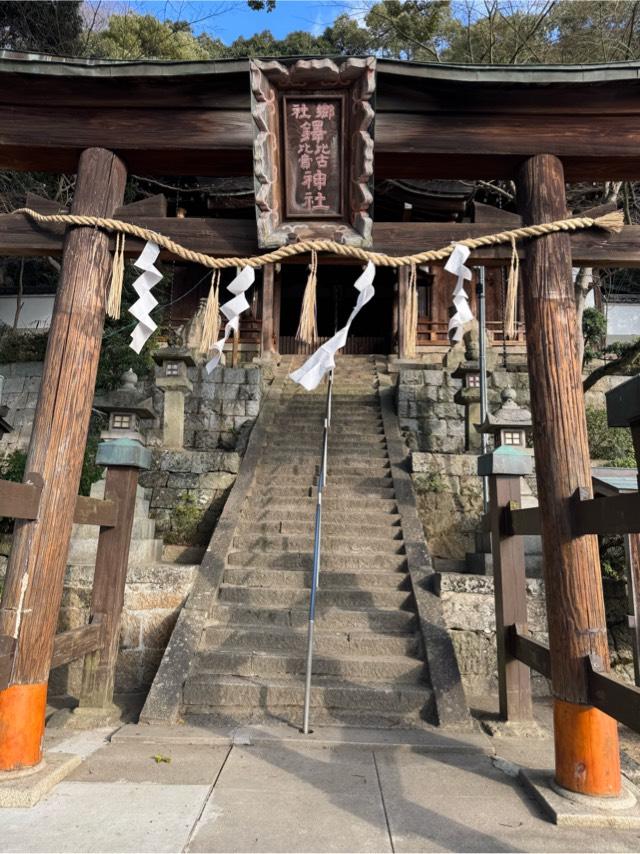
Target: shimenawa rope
<point>610,222</point>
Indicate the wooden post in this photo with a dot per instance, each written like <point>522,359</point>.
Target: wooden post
<point>277,300</point>
<point>504,468</point>
<point>124,459</point>
<point>267,311</point>
<point>35,574</point>
<point>586,740</point>
<point>403,293</point>
<point>623,410</point>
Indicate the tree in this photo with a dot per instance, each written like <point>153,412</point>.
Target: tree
<point>41,26</point>
<point>136,37</point>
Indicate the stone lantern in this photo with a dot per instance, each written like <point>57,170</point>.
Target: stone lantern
<point>175,383</point>
<point>469,395</point>
<point>510,424</point>
<point>122,443</point>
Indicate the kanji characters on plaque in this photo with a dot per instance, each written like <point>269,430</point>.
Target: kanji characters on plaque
<point>313,157</point>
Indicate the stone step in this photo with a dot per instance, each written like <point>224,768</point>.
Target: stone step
<point>344,545</point>
<point>295,491</point>
<point>203,691</point>
<point>358,619</point>
<point>345,440</point>
<point>397,670</point>
<point>386,530</point>
<point>342,597</point>
<point>304,560</point>
<point>301,579</point>
<point>326,641</point>
<point>357,483</point>
<point>311,468</point>
<point>364,506</point>
<point>295,457</point>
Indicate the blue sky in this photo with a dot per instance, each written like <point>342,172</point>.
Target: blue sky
<point>228,19</point>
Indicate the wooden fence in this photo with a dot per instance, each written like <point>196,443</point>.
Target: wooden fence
<point>114,516</point>
<point>518,652</point>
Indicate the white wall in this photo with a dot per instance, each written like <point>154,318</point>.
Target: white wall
<point>623,321</point>
<point>35,313</point>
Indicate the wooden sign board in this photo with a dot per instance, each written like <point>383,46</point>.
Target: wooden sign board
<point>313,150</point>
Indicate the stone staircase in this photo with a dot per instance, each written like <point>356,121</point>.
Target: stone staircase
<point>368,666</point>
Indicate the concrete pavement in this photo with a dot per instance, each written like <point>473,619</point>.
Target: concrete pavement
<point>270,789</point>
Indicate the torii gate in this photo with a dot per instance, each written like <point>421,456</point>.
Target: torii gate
<point>536,126</point>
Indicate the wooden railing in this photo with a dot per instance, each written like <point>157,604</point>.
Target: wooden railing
<point>508,522</point>
<point>437,332</point>
<point>114,516</point>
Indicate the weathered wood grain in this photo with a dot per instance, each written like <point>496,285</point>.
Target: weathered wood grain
<point>510,593</point>
<point>575,603</point>
<point>76,643</point>
<point>107,598</point>
<point>33,585</point>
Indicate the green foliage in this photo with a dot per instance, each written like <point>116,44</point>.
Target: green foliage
<point>432,482</point>
<point>12,466</point>
<point>611,444</point>
<point>185,519</point>
<point>21,345</point>
<point>613,559</point>
<point>594,330</point>
<point>135,37</point>
<point>41,25</point>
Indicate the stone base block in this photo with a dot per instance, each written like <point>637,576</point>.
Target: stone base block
<point>85,718</point>
<point>514,729</point>
<point>26,788</point>
<point>572,810</point>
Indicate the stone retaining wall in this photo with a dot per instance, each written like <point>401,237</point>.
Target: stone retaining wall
<point>469,613</point>
<point>20,393</point>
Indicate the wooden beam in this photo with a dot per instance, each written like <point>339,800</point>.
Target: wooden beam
<point>76,643</point>
<point>35,573</point>
<point>426,144</point>
<point>531,652</point>
<point>19,500</point>
<point>20,236</point>
<point>95,511</point>
<point>151,206</point>
<point>615,514</point>
<point>612,696</point>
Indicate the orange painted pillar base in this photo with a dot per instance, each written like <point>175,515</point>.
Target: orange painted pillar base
<point>587,750</point>
<point>22,714</point>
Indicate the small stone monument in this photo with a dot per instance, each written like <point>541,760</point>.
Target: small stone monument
<point>510,424</point>
<point>122,443</point>
<point>175,383</point>
<point>469,395</point>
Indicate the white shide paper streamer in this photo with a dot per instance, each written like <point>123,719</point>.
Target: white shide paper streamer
<point>232,311</point>
<point>142,307</point>
<point>317,365</point>
<point>463,313</point>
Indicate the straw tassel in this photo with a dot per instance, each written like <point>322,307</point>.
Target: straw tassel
<point>211,320</point>
<point>613,221</point>
<point>308,326</point>
<point>114,298</point>
<point>511,302</point>
<point>411,313</point>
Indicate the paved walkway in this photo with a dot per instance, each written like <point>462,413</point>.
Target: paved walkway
<point>152,789</point>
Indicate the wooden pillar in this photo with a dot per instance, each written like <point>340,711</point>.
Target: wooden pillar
<point>268,345</point>
<point>403,294</point>
<point>277,303</point>
<point>35,574</point>
<point>112,560</point>
<point>586,740</point>
<point>509,579</point>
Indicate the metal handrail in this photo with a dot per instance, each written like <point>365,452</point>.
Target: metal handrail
<point>322,479</point>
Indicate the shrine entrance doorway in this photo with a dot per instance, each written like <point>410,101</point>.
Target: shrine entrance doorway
<point>372,330</point>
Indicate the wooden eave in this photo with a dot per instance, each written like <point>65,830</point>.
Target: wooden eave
<point>432,120</point>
